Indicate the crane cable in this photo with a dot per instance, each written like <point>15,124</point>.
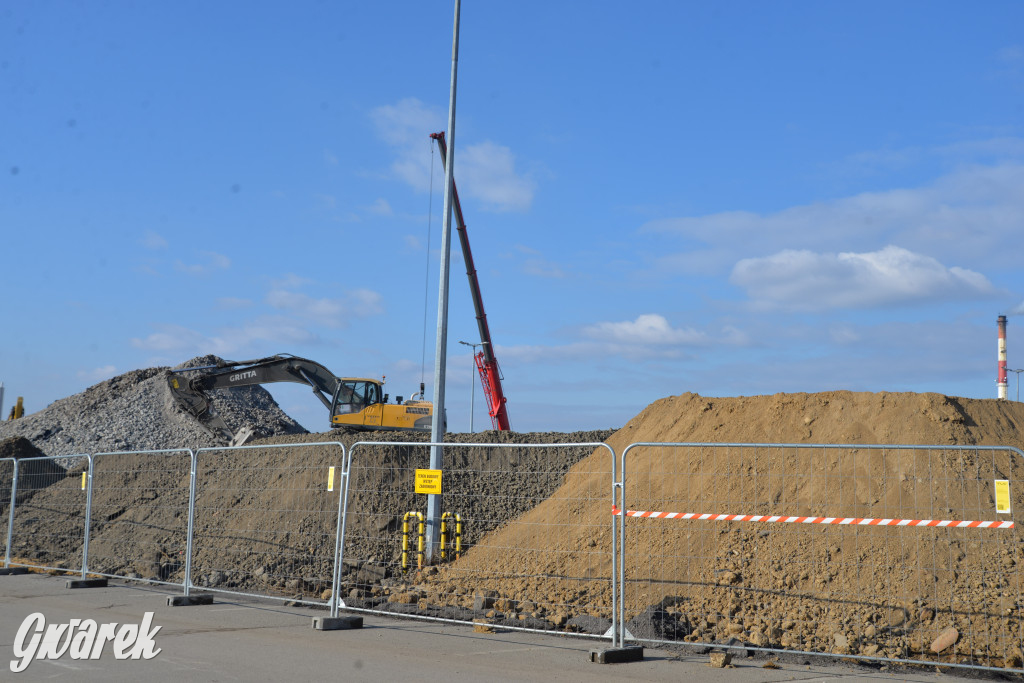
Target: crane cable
<point>426,276</point>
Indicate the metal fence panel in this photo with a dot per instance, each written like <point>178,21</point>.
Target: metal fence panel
<point>897,553</point>
<point>265,520</point>
<point>48,529</point>
<point>536,545</point>
<point>7,469</point>
<point>139,515</point>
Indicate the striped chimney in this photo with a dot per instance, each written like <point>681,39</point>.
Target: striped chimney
<point>1001,381</point>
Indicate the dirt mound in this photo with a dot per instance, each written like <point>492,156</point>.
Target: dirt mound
<point>828,417</point>
<point>18,447</point>
<point>41,473</point>
<point>820,588</point>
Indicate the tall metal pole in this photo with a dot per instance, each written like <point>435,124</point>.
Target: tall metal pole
<point>472,384</point>
<point>441,354</point>
<point>1018,381</point>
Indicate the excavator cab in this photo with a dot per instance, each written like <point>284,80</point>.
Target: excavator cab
<point>359,403</point>
<point>355,394</point>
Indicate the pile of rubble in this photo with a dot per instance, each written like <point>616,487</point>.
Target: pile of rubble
<point>135,411</point>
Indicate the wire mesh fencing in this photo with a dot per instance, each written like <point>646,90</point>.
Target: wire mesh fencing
<point>7,466</point>
<point>139,515</point>
<point>265,520</point>
<point>892,553</point>
<point>49,520</point>
<point>527,540</point>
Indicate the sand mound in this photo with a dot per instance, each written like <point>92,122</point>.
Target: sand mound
<point>828,417</point>
<point>808,587</point>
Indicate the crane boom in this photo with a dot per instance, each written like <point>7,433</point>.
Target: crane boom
<point>486,363</point>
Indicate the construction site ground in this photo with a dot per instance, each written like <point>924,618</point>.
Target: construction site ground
<point>236,639</point>
<point>132,411</point>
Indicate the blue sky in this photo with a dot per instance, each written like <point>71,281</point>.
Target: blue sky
<point>726,198</point>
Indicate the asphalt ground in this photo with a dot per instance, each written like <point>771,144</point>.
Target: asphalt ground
<point>244,639</point>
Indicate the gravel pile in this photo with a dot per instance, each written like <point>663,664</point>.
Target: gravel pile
<point>135,411</point>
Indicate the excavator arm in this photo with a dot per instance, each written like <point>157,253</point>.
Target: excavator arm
<point>351,402</point>
<point>192,395</point>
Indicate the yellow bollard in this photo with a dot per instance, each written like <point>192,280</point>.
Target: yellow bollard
<point>444,534</point>
<point>405,540</point>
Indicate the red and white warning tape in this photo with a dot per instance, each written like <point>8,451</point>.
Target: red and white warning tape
<point>857,521</point>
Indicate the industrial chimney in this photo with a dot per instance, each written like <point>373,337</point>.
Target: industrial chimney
<point>1001,380</point>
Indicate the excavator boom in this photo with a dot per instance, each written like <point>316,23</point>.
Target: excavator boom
<point>354,403</point>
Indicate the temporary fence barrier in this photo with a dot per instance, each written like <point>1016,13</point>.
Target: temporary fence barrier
<point>8,467</point>
<point>537,547</point>
<point>49,520</point>
<point>906,554</point>
<point>139,515</point>
<point>885,553</point>
<point>266,520</point>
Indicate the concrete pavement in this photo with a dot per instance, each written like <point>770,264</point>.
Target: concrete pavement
<point>239,639</point>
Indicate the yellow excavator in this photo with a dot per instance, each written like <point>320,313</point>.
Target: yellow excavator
<point>17,410</point>
<point>357,403</point>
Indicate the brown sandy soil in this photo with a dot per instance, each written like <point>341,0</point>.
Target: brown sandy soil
<point>539,525</point>
<point>886,592</point>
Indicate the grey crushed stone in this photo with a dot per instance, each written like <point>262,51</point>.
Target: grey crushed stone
<point>135,411</point>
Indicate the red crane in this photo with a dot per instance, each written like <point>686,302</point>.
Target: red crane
<point>486,364</point>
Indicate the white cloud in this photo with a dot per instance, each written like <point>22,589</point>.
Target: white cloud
<point>970,215</point>
<point>408,122</point>
<point>488,173</point>
<point>807,281</point>
<point>212,261</point>
<point>649,328</point>
<point>534,263</point>
<point>253,336</point>
<point>178,339</point>
<point>484,171</point>
<point>331,312</point>
<point>152,240</point>
<point>407,126</point>
<point>380,208</point>
<point>97,374</point>
<point>649,337</point>
<point>542,268</point>
<point>1018,309</point>
<point>290,281</point>
<point>228,303</point>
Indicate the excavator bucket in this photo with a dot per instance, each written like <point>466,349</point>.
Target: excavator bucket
<point>242,436</point>
<point>198,406</point>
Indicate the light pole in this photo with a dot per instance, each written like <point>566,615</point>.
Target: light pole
<point>472,384</point>
<point>1018,381</point>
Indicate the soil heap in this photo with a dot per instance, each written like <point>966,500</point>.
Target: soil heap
<point>135,411</point>
<point>842,589</point>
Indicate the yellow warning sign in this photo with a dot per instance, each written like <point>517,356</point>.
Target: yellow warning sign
<point>1003,496</point>
<point>84,475</point>
<point>330,478</point>
<point>428,481</point>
